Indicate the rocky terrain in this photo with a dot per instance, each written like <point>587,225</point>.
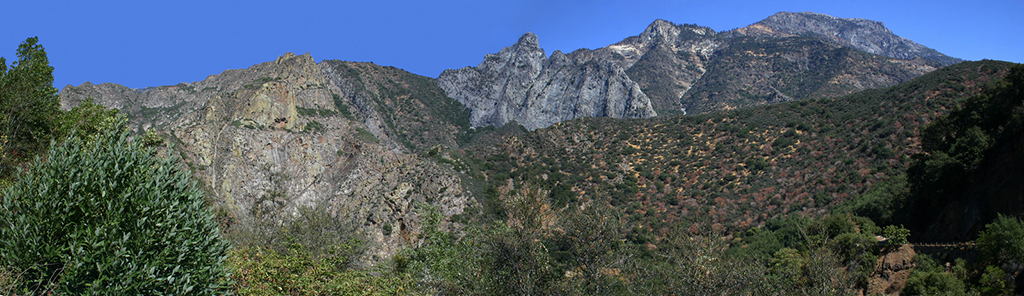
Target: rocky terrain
<point>352,138</point>
<point>521,84</point>
<point>891,272</point>
<point>755,71</point>
<point>279,135</point>
<point>682,69</point>
<point>866,35</point>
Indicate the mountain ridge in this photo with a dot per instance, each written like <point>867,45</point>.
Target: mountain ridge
<point>693,69</point>
<point>293,132</point>
<point>290,133</point>
<point>521,84</point>
<point>866,35</point>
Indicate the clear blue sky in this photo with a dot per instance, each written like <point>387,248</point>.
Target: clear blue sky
<point>151,43</point>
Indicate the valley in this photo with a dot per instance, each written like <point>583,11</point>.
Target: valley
<point>761,160</point>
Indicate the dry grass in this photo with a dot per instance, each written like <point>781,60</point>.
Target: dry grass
<point>9,279</point>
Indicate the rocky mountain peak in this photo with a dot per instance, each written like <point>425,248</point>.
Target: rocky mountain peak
<point>660,29</point>
<point>524,57</point>
<point>528,41</point>
<point>290,55</point>
<point>866,35</point>
<point>520,84</point>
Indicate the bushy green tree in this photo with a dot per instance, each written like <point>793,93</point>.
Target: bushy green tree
<point>880,202</point>
<point>28,105</point>
<point>443,262</point>
<point>934,283</point>
<point>929,278</point>
<point>261,271</point>
<point>86,121</point>
<point>897,235</point>
<point>1002,246</point>
<point>107,216</point>
<point>993,282</point>
<point>786,266</point>
<point>588,245</point>
<point>1002,241</point>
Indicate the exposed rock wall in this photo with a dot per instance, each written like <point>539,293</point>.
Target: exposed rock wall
<point>891,272</point>
<point>666,60</point>
<point>244,137</point>
<point>521,84</point>
<point>691,69</point>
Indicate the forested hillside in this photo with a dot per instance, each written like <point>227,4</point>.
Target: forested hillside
<point>735,170</point>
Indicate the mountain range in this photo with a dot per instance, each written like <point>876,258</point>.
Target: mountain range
<point>670,69</point>
<point>376,145</point>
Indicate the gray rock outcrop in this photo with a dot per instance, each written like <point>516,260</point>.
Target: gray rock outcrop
<point>687,68</point>
<point>521,84</point>
<point>267,140</point>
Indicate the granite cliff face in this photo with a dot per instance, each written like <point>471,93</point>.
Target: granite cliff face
<point>521,84</point>
<point>691,69</point>
<point>278,135</point>
<point>665,60</point>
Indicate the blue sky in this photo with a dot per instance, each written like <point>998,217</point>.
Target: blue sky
<point>151,43</point>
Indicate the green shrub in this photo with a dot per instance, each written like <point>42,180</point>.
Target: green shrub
<point>897,235</point>
<point>934,283</point>
<point>314,126</point>
<point>106,216</point>
<point>993,282</point>
<point>1001,242</point>
<point>297,271</point>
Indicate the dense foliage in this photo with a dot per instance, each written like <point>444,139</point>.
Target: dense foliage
<point>107,216</point>
<point>296,271</point>
<point>310,253</point>
<point>540,250</point>
<point>971,157</point>
<point>29,110</point>
<point>28,105</point>
<point>1001,241</point>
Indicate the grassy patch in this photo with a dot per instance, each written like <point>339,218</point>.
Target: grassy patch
<point>366,136</point>
<point>313,126</point>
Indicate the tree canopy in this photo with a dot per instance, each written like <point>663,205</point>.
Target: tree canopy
<point>28,103</point>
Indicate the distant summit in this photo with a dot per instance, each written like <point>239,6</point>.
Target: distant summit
<point>867,35</point>
<point>519,84</point>
<point>689,69</point>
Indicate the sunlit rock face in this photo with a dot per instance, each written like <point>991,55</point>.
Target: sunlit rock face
<point>688,69</point>
<point>269,139</point>
<point>521,84</point>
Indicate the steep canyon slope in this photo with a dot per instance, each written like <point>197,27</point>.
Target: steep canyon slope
<point>736,169</point>
<point>280,135</point>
